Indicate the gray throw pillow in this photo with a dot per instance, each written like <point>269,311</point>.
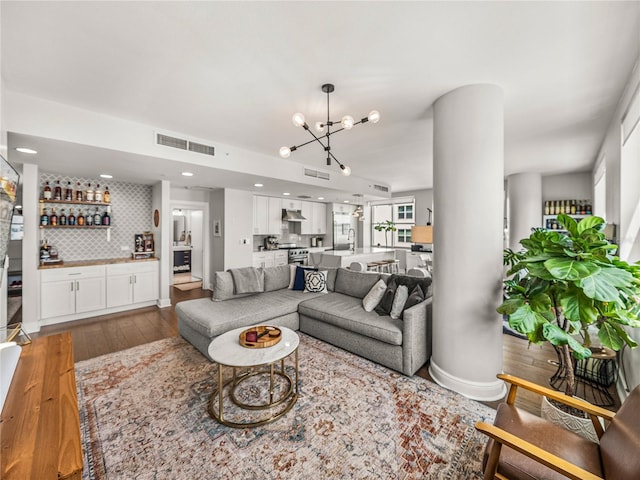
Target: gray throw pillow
<point>223,287</point>
<point>402,293</point>
<point>372,299</point>
<point>415,297</point>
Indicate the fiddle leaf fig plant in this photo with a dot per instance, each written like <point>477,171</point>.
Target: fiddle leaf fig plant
<point>386,226</point>
<point>566,284</point>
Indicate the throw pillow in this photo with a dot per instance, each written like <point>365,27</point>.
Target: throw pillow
<point>298,283</point>
<point>402,293</point>
<point>315,281</point>
<point>372,299</point>
<point>415,297</point>
<point>384,307</point>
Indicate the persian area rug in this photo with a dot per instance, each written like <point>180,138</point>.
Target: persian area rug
<point>143,415</point>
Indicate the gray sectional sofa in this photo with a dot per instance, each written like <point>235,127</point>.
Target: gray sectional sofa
<point>337,317</point>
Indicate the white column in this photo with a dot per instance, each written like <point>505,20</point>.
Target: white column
<point>524,191</point>
<point>468,172</point>
<point>30,248</point>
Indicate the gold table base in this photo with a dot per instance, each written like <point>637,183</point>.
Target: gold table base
<point>288,398</point>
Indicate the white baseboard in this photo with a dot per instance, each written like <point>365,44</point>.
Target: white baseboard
<point>481,391</point>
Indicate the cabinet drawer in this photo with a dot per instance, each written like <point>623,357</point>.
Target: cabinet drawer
<point>71,273</point>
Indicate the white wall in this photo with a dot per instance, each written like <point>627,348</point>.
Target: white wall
<point>610,150</point>
<point>568,186</point>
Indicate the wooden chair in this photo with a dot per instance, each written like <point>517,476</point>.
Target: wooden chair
<point>525,446</point>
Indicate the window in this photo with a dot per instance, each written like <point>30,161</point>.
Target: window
<point>405,212</point>
<point>404,235</point>
<point>401,212</point>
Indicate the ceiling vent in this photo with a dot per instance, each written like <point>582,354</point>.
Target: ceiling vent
<point>174,142</point>
<point>316,174</point>
<point>304,196</point>
<point>382,188</point>
<point>184,144</point>
<point>200,148</point>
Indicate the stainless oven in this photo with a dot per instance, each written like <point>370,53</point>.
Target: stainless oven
<point>295,255</point>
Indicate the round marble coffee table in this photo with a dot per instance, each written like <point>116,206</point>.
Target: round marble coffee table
<point>254,365</point>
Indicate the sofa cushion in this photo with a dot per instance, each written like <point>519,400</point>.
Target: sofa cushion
<point>372,299</point>
<point>355,284</point>
<point>298,283</point>
<point>247,280</point>
<point>402,293</point>
<point>223,288</point>
<point>315,282</point>
<point>345,311</point>
<point>276,278</point>
<point>384,307</point>
<point>212,319</point>
<point>331,277</point>
<point>415,297</point>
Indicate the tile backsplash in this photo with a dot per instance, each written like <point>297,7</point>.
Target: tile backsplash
<point>130,214</point>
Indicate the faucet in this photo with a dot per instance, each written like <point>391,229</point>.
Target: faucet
<point>351,238</point>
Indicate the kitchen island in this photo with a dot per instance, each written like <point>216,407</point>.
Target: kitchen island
<point>364,255</point>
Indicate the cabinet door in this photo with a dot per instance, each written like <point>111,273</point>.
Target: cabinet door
<point>259,259</point>
<point>260,215</point>
<point>90,294</point>
<point>281,258</point>
<point>319,218</point>
<point>119,290</point>
<point>145,286</point>
<point>307,212</point>
<point>275,216</point>
<point>57,298</point>
<point>291,204</point>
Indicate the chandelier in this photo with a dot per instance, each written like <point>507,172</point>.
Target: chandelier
<point>346,123</point>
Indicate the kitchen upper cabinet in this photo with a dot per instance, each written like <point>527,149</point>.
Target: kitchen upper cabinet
<point>319,224</point>
<point>275,216</point>
<point>260,215</point>
<point>290,204</point>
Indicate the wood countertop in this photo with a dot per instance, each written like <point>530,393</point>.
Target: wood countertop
<point>89,263</point>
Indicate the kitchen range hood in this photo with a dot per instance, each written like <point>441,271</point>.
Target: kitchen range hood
<point>292,216</point>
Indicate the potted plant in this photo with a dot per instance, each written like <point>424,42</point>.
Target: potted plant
<point>566,283</point>
<point>386,226</point>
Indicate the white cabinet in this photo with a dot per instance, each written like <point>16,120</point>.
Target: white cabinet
<point>290,204</point>
<point>130,283</point>
<point>260,215</point>
<point>307,212</point>
<point>66,291</point>
<point>319,225</point>
<point>275,216</point>
<point>267,215</point>
<point>263,259</point>
<point>281,257</point>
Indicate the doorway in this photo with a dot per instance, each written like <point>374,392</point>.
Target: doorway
<point>188,248</point>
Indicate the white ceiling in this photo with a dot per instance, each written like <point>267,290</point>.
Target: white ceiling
<point>235,72</point>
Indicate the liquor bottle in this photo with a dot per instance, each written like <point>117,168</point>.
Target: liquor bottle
<point>106,197</point>
<point>46,192</point>
<point>79,194</point>
<point>573,207</point>
<point>44,217</point>
<point>71,219</point>
<point>68,193</point>
<point>57,192</point>
<point>62,219</point>
<point>44,251</point>
<point>80,218</point>
<point>97,195</point>
<point>546,208</point>
<point>97,219</point>
<point>88,194</point>
<point>552,208</point>
<point>588,207</point>
<point>53,218</point>
<point>88,219</point>
<point>106,219</point>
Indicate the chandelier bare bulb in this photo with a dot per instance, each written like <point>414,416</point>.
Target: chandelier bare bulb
<point>347,122</point>
<point>298,119</point>
<point>345,170</point>
<point>374,116</point>
<point>319,126</point>
<point>285,152</point>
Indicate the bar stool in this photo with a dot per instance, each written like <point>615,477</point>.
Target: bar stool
<point>373,267</point>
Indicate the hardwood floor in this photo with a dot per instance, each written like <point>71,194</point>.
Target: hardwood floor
<point>110,333</point>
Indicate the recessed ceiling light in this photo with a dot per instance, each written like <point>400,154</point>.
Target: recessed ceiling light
<point>286,193</point>
<point>105,175</point>
<point>187,174</point>
<point>320,198</point>
<point>346,201</point>
<point>258,185</point>
<point>30,151</point>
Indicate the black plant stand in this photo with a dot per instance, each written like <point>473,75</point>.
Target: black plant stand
<point>598,373</point>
